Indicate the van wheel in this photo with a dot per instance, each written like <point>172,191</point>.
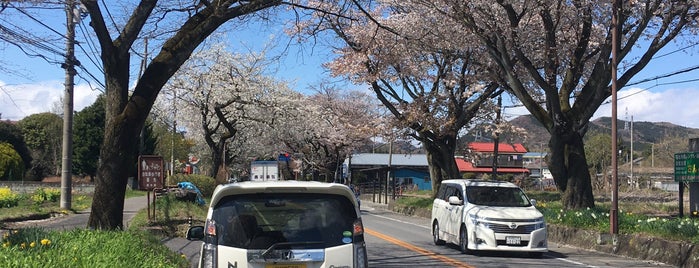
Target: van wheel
<point>435,234</point>
<point>463,240</point>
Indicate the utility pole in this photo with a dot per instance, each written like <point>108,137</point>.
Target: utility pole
<point>174,133</point>
<point>69,66</point>
<point>635,183</point>
<point>388,172</point>
<point>496,136</point>
<point>614,210</point>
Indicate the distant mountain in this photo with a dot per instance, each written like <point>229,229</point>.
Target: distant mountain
<point>645,133</point>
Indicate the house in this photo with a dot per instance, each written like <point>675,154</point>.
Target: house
<point>536,163</point>
<point>406,169</point>
<point>480,155</point>
<point>412,170</point>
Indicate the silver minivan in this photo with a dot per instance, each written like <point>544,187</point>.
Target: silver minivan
<point>275,224</point>
<point>487,215</point>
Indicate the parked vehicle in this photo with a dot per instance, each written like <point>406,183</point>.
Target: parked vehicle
<point>487,215</point>
<point>264,171</point>
<point>282,224</point>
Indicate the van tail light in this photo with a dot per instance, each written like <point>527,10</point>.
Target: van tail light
<point>359,247</point>
<point>209,251</point>
<point>358,228</point>
<point>210,228</point>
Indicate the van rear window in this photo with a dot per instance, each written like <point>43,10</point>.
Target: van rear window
<point>299,220</point>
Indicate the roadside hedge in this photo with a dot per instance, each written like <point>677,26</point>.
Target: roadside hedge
<point>205,184</point>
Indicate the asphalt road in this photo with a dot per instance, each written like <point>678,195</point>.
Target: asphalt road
<point>394,240</point>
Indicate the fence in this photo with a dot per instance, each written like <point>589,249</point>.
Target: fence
<point>31,186</point>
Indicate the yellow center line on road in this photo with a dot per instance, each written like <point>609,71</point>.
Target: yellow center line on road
<point>417,249</point>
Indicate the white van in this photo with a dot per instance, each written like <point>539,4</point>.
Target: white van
<point>487,215</point>
<point>275,224</point>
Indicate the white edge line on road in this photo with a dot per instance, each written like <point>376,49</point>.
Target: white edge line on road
<point>573,262</point>
<point>389,218</point>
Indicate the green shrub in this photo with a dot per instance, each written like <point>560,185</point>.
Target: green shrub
<point>42,195</point>
<point>8,198</point>
<point>11,163</point>
<point>205,184</point>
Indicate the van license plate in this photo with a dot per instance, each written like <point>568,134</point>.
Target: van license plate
<point>289,265</point>
<point>513,240</point>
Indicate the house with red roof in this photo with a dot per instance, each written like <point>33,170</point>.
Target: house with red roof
<point>480,155</point>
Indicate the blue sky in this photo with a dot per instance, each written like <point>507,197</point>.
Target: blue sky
<point>31,85</point>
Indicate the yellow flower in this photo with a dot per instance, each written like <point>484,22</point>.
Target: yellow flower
<point>23,245</point>
<point>183,256</point>
<point>6,245</point>
<point>32,244</point>
<point>45,242</point>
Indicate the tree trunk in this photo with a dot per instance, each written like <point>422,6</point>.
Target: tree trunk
<point>440,159</point>
<point>569,168</point>
<point>216,161</point>
<point>116,156</point>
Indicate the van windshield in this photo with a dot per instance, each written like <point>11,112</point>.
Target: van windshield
<point>496,196</point>
<point>297,220</point>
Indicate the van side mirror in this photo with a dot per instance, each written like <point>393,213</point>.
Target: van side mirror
<point>533,201</point>
<point>454,200</point>
<point>195,233</point>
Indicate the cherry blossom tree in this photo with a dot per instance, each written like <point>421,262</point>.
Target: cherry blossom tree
<point>180,28</point>
<point>433,82</point>
<point>339,121</point>
<point>221,94</point>
<point>555,56</point>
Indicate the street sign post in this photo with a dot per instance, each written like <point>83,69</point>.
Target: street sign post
<point>686,167</point>
<point>150,177</point>
<point>150,172</point>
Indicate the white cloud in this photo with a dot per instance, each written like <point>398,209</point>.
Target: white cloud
<point>19,101</point>
<point>677,106</point>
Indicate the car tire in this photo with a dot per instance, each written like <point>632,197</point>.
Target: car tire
<point>463,240</point>
<point>435,234</point>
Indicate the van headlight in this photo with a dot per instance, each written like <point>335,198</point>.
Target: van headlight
<point>540,223</point>
<point>476,220</point>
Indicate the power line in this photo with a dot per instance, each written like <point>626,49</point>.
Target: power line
<point>18,39</point>
<point>38,21</point>
<point>675,51</point>
<point>689,69</point>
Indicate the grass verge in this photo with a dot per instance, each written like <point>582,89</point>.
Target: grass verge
<point>34,247</point>
<point>37,247</point>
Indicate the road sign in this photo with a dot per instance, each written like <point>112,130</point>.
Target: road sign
<point>150,172</point>
<point>686,167</point>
